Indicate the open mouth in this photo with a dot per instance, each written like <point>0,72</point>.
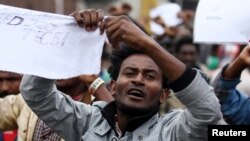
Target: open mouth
<point>136,93</point>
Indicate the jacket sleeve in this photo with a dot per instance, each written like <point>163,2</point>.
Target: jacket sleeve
<point>10,108</point>
<point>202,107</point>
<point>68,118</point>
<point>235,105</point>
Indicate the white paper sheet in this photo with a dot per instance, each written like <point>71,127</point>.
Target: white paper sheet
<point>47,45</point>
<point>222,21</point>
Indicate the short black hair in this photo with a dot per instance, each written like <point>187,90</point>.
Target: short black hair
<point>183,41</point>
<point>118,56</point>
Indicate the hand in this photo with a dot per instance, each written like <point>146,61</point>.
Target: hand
<point>122,29</point>
<point>245,56</point>
<point>89,19</point>
<point>238,65</point>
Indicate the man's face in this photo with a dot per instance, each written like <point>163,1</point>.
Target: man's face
<point>188,55</point>
<point>139,84</point>
<point>9,83</point>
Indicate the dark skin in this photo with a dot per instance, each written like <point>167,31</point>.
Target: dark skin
<point>238,65</point>
<point>121,29</point>
<point>9,83</point>
<point>188,55</point>
<point>139,86</point>
<point>101,93</point>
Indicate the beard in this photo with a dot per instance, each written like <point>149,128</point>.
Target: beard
<point>132,111</point>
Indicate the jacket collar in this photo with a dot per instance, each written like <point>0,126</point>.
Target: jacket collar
<point>109,112</point>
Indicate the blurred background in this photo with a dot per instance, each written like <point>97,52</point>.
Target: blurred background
<point>67,6</point>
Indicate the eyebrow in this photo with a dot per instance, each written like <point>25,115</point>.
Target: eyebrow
<point>150,70</point>
<point>144,70</point>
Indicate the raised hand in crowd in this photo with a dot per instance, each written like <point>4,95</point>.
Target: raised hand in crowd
<point>142,71</point>
<point>235,104</point>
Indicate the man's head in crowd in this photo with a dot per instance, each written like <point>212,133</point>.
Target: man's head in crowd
<point>9,83</point>
<point>139,83</point>
<point>186,51</point>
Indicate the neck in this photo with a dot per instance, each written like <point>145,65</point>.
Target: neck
<point>134,118</point>
<point>122,120</point>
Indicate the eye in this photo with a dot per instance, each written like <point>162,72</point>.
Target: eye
<point>150,76</point>
<point>129,73</point>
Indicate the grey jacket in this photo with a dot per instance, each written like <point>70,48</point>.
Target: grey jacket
<point>76,121</point>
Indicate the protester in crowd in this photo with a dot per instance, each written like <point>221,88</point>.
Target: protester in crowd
<point>9,83</point>
<point>243,86</point>
<point>187,52</point>
<point>139,88</point>
<point>235,105</point>
<point>15,114</point>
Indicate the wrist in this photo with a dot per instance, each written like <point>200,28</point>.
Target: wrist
<point>241,62</point>
<point>95,85</point>
<point>146,44</point>
<point>234,69</point>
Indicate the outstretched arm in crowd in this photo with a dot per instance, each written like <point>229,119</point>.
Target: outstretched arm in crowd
<point>193,91</point>
<point>68,118</point>
<point>235,105</point>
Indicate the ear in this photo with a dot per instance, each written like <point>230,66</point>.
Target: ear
<point>112,87</point>
<point>164,95</point>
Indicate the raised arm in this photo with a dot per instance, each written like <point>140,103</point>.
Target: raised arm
<point>68,118</point>
<point>121,29</point>
<point>235,105</point>
<point>202,105</point>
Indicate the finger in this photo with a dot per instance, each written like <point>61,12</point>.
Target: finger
<point>100,15</point>
<point>102,26</point>
<point>116,37</point>
<point>77,16</point>
<point>104,23</point>
<point>111,29</point>
<point>86,16</point>
<point>93,19</point>
<point>113,20</point>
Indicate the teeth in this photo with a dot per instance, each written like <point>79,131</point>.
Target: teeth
<point>136,93</point>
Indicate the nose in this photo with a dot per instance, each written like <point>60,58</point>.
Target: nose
<point>138,80</point>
